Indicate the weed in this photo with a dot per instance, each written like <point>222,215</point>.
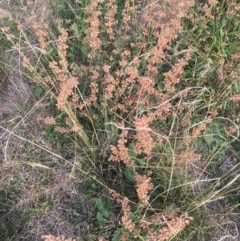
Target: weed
<point>141,102</point>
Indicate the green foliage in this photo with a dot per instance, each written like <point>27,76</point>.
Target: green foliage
<point>38,90</point>
<point>5,42</point>
<point>11,219</point>
<point>116,235</point>
<point>5,45</point>
<point>74,14</point>
<point>104,209</point>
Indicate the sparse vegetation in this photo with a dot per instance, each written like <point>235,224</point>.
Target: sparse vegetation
<point>119,120</point>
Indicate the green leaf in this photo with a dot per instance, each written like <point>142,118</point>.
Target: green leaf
<point>116,235</point>
<point>208,138</point>
<point>100,218</point>
<point>100,204</point>
<point>39,90</point>
<point>129,174</point>
<point>79,225</point>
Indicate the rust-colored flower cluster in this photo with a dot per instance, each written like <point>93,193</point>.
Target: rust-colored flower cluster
<point>120,153</point>
<point>186,156</point>
<point>110,21</point>
<point>201,127</point>
<point>110,86</point>
<point>49,120</point>
<point>172,228</point>
<point>93,39</point>
<point>62,48</point>
<point>50,237</point>
<point>127,222</point>
<point>173,76</point>
<point>164,226</point>
<point>144,140</point>
<point>143,187</point>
